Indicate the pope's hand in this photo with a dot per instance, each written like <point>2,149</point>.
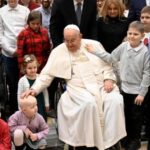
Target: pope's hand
<point>28,92</point>
<point>108,85</point>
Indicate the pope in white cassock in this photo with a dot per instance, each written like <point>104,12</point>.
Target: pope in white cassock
<point>91,110</point>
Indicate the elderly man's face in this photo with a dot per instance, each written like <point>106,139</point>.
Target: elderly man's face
<point>12,3</point>
<point>72,39</point>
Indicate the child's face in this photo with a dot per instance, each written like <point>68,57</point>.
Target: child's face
<point>35,25</point>
<point>145,19</point>
<point>31,69</point>
<point>30,110</point>
<point>134,37</point>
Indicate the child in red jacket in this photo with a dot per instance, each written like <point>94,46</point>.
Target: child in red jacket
<point>5,139</point>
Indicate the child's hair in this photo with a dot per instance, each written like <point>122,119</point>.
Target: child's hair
<point>146,9</point>
<point>118,3</point>
<point>26,60</point>
<point>34,15</point>
<point>137,25</point>
<point>27,101</point>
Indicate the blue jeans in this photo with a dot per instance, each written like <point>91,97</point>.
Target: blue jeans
<point>12,74</point>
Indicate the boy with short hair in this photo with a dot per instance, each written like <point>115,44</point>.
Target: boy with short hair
<point>28,128</point>
<point>134,76</point>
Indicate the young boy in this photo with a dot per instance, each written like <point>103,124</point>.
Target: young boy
<point>145,19</point>
<point>28,128</point>
<point>134,76</point>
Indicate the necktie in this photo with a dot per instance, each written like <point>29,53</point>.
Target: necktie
<point>78,12</point>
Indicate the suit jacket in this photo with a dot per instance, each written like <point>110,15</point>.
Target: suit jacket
<point>63,13</point>
<point>135,9</point>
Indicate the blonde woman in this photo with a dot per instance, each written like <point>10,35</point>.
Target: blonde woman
<point>112,25</point>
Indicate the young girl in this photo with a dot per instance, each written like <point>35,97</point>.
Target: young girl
<point>29,68</point>
<point>135,78</point>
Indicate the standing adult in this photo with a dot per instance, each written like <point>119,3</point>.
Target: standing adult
<point>64,13</point>
<point>91,104</point>
<point>13,18</point>
<point>112,25</point>
<point>135,9</point>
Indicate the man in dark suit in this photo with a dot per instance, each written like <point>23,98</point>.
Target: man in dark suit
<point>64,13</point>
<point>135,9</point>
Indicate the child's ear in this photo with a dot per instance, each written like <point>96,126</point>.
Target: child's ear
<point>143,35</point>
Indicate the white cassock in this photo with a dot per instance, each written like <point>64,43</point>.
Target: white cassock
<point>87,115</point>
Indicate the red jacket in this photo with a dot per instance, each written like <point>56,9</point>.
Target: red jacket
<point>5,138</point>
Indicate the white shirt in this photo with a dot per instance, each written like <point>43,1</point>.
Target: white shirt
<point>148,2</point>
<point>12,21</point>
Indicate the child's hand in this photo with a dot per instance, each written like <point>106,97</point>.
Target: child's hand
<point>89,48</point>
<point>139,100</point>
<point>33,137</point>
<point>47,108</point>
<point>27,132</point>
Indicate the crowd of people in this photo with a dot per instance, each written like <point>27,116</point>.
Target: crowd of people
<point>99,48</point>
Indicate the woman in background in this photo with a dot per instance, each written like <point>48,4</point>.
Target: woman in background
<point>112,25</point>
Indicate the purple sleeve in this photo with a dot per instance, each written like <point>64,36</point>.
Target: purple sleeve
<point>15,123</point>
<point>43,128</point>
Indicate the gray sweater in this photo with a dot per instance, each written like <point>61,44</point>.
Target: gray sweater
<point>134,67</point>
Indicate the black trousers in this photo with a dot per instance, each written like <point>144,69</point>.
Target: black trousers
<point>147,114</point>
<point>133,116</point>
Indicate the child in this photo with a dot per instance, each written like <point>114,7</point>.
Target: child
<point>5,140</point>
<point>135,78</point>
<point>145,19</point>
<point>27,127</point>
<point>29,68</point>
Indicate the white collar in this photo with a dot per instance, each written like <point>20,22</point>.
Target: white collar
<point>136,49</point>
<point>10,8</point>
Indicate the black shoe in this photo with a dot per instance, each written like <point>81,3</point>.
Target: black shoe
<point>125,142</point>
<point>52,114</point>
<point>117,146</point>
<point>134,145</point>
<point>148,145</point>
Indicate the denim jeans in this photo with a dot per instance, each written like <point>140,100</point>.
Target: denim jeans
<point>12,74</point>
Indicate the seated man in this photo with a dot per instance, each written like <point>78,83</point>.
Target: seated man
<point>90,111</point>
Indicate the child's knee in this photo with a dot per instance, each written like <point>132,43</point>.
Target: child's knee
<point>18,137</point>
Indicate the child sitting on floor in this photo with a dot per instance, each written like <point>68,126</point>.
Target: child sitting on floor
<point>27,127</point>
